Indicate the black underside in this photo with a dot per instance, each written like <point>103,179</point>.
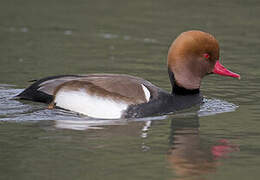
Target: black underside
<point>31,93</point>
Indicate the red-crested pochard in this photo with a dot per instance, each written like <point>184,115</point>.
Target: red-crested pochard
<point>193,55</point>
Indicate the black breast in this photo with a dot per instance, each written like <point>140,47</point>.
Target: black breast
<point>165,103</point>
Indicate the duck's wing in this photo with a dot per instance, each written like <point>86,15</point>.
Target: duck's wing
<point>137,89</point>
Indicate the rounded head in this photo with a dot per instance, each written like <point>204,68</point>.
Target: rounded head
<point>191,56</point>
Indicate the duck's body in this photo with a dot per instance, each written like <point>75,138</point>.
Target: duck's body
<point>192,55</point>
<point>121,96</point>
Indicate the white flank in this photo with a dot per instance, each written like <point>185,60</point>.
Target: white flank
<point>90,105</point>
<point>146,93</point>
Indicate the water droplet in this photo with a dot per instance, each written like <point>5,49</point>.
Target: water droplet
<point>126,37</point>
<point>109,36</point>
<point>24,29</point>
<point>68,32</point>
<point>148,40</point>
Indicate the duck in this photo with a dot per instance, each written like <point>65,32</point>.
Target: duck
<point>192,55</point>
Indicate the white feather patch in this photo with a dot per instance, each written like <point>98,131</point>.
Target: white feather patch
<point>90,105</point>
<point>146,93</point>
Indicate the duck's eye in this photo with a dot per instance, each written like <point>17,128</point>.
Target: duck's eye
<point>206,55</point>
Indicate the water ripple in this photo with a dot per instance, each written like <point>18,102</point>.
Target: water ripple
<point>215,106</point>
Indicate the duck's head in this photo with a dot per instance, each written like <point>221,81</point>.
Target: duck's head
<point>193,55</point>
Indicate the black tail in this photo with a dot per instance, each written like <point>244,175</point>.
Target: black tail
<point>33,93</point>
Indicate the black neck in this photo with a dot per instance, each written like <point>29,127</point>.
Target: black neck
<point>176,89</point>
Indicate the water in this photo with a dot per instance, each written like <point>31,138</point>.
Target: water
<point>218,140</point>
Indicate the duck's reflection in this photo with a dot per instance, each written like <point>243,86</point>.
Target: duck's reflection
<point>86,124</point>
<point>190,156</point>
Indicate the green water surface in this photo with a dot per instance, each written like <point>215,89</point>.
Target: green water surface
<point>217,141</point>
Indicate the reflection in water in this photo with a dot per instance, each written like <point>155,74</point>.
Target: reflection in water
<point>190,156</point>
<point>85,124</point>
